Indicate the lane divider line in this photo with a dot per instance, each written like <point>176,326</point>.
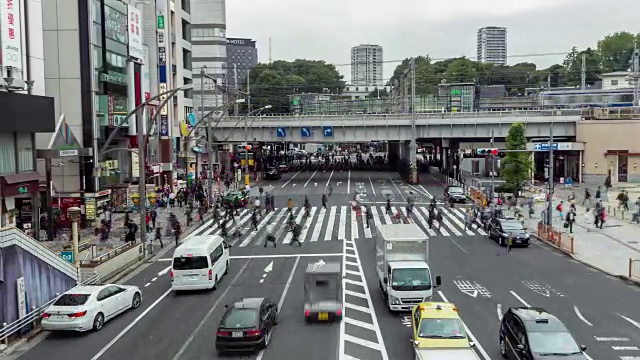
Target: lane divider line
<point>288,181</point>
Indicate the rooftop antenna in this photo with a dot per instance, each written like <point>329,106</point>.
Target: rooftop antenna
<point>270,58</point>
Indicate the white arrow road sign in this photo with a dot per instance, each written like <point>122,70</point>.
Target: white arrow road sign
<point>269,267</point>
<point>294,185</point>
<point>315,184</point>
<point>406,321</point>
<point>537,288</point>
<point>338,183</point>
<point>164,271</point>
<point>466,287</point>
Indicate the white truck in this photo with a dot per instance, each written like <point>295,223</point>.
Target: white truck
<point>402,252</point>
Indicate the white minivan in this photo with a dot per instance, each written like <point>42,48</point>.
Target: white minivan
<point>199,263</point>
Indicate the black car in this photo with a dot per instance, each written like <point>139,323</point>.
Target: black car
<point>272,173</point>
<point>246,325</point>
<point>283,167</point>
<point>455,194</point>
<point>501,228</point>
<point>532,333</point>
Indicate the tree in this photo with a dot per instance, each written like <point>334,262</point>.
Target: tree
<point>273,84</point>
<point>615,51</point>
<point>378,93</point>
<point>516,166</point>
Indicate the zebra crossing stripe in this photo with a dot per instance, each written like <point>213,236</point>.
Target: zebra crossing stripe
<point>367,231</point>
<point>289,236</point>
<point>318,228</point>
<point>284,215</point>
<point>376,219</point>
<point>425,211</point>
<point>332,219</point>
<point>307,225</point>
<point>262,223</point>
<point>343,223</point>
<point>386,216</point>
<point>459,223</point>
<point>354,225</point>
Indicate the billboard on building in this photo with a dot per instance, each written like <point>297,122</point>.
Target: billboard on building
<point>10,34</point>
<point>136,49</point>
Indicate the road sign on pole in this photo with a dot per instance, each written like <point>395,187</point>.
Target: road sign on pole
<point>281,132</point>
<point>305,131</point>
<point>67,255</point>
<point>327,131</point>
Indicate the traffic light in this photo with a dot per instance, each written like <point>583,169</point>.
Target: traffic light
<point>247,147</point>
<point>484,152</point>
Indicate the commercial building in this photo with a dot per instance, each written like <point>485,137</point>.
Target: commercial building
<point>492,45</point>
<point>366,65</point>
<point>102,58</point>
<point>242,56</point>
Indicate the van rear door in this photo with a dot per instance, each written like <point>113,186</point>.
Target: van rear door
<point>190,269</point>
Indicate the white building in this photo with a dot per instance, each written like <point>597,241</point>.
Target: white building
<point>616,80</point>
<point>366,65</point>
<point>358,92</point>
<point>492,45</point>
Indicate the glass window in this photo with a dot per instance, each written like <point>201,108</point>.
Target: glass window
<point>25,152</point>
<point>115,25</point>
<point>411,279</point>
<point>96,11</point>
<point>240,318</point>
<point>561,343</point>
<point>190,263</point>
<point>441,329</point>
<point>97,57</point>
<point>97,37</point>
<point>7,154</point>
<point>511,225</point>
<point>72,300</point>
<point>117,62</point>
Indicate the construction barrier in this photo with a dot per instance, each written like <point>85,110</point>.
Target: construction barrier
<point>555,237</point>
<point>478,196</point>
<point>634,269</point>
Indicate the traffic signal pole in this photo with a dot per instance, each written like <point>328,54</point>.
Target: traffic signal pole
<point>493,167</point>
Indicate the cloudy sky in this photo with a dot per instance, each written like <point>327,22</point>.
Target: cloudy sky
<point>327,29</point>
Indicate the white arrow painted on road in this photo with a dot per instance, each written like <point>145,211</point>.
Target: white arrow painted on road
<point>339,182</point>
<point>164,271</point>
<point>294,185</point>
<point>315,184</point>
<point>406,320</point>
<point>269,267</point>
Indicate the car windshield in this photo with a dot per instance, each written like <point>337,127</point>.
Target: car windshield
<point>441,329</point>
<point>552,343</point>
<point>453,190</point>
<point>190,263</point>
<point>72,300</point>
<point>240,318</point>
<point>411,279</point>
<point>512,226</point>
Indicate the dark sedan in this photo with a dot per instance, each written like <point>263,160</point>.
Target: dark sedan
<point>247,325</point>
<point>272,173</point>
<point>455,194</point>
<point>501,229</point>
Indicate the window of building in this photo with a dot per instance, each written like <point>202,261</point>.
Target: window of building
<point>186,30</point>
<point>116,62</point>
<point>97,57</point>
<point>97,34</point>
<point>7,153</point>
<point>115,25</point>
<point>188,93</point>
<point>24,142</point>
<point>614,82</point>
<point>186,59</point>
<point>186,6</point>
<point>96,11</point>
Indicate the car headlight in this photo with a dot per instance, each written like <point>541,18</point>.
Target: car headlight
<point>394,300</point>
<point>526,236</point>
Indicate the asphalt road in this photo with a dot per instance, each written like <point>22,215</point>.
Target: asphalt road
<point>478,276</point>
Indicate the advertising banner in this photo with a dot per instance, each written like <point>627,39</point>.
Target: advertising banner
<point>10,34</point>
<point>136,50</point>
<point>164,125</point>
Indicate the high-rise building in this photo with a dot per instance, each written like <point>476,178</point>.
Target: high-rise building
<point>102,59</point>
<point>366,65</point>
<point>492,45</point>
<point>242,56</point>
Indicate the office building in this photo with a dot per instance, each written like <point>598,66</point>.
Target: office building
<point>492,45</point>
<point>102,58</point>
<point>366,65</point>
<point>242,56</point>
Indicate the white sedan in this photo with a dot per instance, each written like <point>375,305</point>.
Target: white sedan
<point>88,307</point>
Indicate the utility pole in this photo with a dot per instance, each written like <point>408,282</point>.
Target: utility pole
<point>235,85</point>
<point>413,147</point>
<point>636,75</point>
<point>246,127</point>
<point>551,184</point>
<point>493,167</point>
<point>203,73</point>
<point>248,92</point>
<point>583,73</point>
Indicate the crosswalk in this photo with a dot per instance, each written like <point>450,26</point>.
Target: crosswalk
<point>333,222</point>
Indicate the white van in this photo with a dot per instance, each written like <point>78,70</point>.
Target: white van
<point>199,263</point>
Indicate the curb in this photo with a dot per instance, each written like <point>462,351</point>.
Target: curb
<point>624,278</point>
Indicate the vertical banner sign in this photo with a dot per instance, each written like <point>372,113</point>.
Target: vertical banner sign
<point>21,291</point>
<point>111,110</point>
<point>136,50</point>
<point>135,165</point>
<point>162,73</point>
<point>164,112</point>
<point>10,34</point>
<point>146,79</point>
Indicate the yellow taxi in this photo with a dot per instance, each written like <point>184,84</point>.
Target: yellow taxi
<point>437,325</point>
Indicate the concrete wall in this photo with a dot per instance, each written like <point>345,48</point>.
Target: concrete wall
<point>600,136</point>
<point>117,263</point>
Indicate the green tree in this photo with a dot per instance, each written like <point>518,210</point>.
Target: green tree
<point>516,166</point>
<point>273,84</point>
<point>615,51</point>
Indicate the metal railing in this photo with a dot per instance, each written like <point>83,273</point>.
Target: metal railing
<point>35,315</point>
<point>435,114</point>
<point>109,255</point>
<point>634,269</point>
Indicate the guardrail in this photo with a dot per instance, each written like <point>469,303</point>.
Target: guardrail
<point>556,238</point>
<point>634,269</point>
<point>31,321</point>
<point>440,114</point>
<point>107,256</point>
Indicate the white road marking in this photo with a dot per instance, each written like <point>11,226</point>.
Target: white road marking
<point>354,225</point>
<point>611,339</point>
<point>289,236</point>
<point>398,189</point>
<point>471,336</point>
<point>332,219</point>
<point>165,260</point>
<point>282,297</point>
<point>633,322</point>
<point>205,320</point>
<point>319,222</point>
<point>282,256</point>
<point>387,218</point>
<point>268,268</point>
<point>154,279</point>
<point>312,175</point>
<point>499,310</point>
<point>580,316</point>
<point>372,188</point>
<point>147,284</point>
<point>329,180</point>
<point>520,299</point>
<point>343,223</point>
<point>165,270</point>
<point>262,223</point>
<point>288,181</point>
<point>349,183</point>
<point>307,225</point>
<point>625,348</point>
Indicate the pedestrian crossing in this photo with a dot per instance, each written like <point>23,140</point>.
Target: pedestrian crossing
<point>335,223</point>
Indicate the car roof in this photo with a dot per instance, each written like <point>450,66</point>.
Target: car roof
<point>538,319</point>
<point>87,289</point>
<point>247,303</point>
<point>438,310</point>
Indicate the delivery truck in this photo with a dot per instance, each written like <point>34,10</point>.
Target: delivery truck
<point>323,292</point>
<point>402,252</point>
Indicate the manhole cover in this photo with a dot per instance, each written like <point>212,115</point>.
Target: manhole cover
<point>632,242</point>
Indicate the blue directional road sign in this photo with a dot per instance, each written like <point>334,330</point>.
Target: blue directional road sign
<point>544,146</point>
<point>327,131</point>
<point>281,132</point>
<point>67,255</point>
<point>305,131</point>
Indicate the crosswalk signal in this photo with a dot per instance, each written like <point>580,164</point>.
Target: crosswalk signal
<point>247,147</point>
<point>489,151</point>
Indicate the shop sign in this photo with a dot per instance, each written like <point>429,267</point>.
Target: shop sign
<point>111,108</point>
<point>113,77</point>
<point>10,33</point>
<point>9,190</point>
<point>90,208</point>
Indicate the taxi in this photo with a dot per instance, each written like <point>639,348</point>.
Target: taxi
<point>438,332</point>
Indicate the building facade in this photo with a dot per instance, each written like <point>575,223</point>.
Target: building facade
<point>366,65</point>
<point>492,45</point>
<point>242,56</point>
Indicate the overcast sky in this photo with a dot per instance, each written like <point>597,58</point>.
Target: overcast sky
<point>326,30</point>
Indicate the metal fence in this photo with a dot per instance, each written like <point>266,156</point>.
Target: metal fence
<point>32,320</point>
<point>107,256</point>
<point>634,269</point>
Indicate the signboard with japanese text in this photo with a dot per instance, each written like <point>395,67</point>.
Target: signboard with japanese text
<point>112,103</point>
<point>10,34</point>
<point>136,50</point>
<point>161,89</point>
<point>164,125</point>
<point>162,56</point>
<point>21,292</point>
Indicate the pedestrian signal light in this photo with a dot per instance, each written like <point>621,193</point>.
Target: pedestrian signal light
<point>481,151</point>
<point>494,151</point>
